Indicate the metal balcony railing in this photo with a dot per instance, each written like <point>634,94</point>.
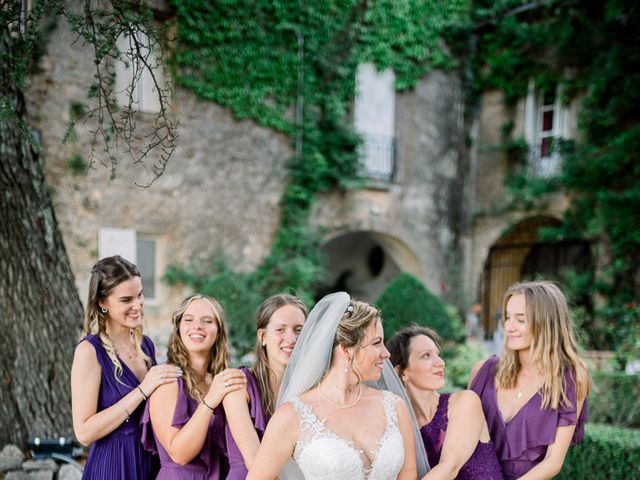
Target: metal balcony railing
<point>377,157</point>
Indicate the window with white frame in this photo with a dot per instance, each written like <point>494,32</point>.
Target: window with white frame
<point>545,122</point>
<point>374,118</point>
<point>138,249</point>
<point>134,75</point>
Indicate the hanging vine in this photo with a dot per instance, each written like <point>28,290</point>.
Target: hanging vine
<point>291,66</point>
<point>591,49</point>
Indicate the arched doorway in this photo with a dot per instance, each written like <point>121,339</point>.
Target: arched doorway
<point>363,262</point>
<point>520,255</point>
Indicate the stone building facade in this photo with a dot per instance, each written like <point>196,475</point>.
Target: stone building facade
<point>220,193</point>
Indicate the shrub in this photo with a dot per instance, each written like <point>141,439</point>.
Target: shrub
<point>406,301</point>
<point>461,360</point>
<point>614,399</point>
<point>234,292</point>
<point>607,453</point>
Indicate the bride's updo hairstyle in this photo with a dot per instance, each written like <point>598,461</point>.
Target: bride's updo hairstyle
<point>352,329</point>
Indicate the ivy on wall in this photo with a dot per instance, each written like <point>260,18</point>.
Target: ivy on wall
<point>591,49</point>
<point>291,66</point>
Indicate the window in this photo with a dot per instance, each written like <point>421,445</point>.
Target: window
<point>141,250</point>
<point>374,118</point>
<point>133,70</point>
<point>146,250</point>
<point>544,121</point>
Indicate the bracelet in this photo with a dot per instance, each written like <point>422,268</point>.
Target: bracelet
<point>205,404</point>
<point>143,395</point>
<point>125,411</point>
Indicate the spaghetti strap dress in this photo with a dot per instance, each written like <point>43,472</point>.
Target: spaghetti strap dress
<point>521,443</point>
<point>119,455</point>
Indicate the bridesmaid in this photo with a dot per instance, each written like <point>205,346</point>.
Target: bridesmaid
<point>113,373</point>
<point>453,427</point>
<point>534,395</point>
<point>183,420</point>
<point>279,320</point>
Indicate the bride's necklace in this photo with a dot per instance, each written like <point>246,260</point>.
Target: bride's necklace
<point>342,406</point>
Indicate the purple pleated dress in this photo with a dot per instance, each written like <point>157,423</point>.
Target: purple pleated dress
<point>210,464</point>
<point>521,443</point>
<point>238,470</point>
<point>119,455</point>
<point>482,464</point>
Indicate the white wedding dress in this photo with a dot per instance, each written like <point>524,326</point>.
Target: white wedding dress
<point>323,455</point>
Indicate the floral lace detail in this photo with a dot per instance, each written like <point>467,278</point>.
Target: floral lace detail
<point>322,454</point>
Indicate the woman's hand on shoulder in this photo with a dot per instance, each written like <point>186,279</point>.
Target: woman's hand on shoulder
<point>223,383</point>
<point>159,375</point>
<point>474,371</point>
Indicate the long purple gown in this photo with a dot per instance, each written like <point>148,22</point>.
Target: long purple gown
<point>521,443</point>
<point>118,455</point>
<point>483,463</point>
<point>210,464</point>
<point>238,471</point>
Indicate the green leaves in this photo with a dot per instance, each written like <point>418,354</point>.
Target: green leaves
<point>291,66</point>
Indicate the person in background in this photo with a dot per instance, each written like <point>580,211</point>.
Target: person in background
<point>473,328</point>
<point>184,421</point>
<point>534,395</point>
<point>113,373</point>
<point>279,321</point>
<point>452,425</point>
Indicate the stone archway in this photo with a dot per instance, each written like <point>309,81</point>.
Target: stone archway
<point>363,262</point>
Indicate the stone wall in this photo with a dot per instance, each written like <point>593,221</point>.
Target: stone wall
<point>219,194</point>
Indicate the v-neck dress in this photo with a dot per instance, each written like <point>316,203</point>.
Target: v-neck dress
<point>521,443</point>
<point>321,454</point>
<point>481,465</point>
<point>119,455</point>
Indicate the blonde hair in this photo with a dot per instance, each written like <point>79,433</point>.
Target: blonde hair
<point>554,350</point>
<point>177,353</point>
<point>106,275</point>
<point>352,329</point>
<point>261,370</point>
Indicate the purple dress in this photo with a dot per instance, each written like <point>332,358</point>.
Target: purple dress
<point>238,471</point>
<point>482,464</point>
<point>521,443</point>
<point>118,455</point>
<point>210,463</point>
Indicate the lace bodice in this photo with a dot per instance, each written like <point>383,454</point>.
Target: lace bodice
<point>321,454</point>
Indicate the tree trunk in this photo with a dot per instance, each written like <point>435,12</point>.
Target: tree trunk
<point>40,311</point>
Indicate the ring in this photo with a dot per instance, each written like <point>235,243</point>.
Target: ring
<point>226,384</point>
<point>161,374</point>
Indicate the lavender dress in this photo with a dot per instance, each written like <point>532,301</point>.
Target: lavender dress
<point>521,443</point>
<point>238,471</point>
<point>210,464</point>
<point>482,464</point>
<point>118,455</point>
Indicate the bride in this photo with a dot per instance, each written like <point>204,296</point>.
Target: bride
<point>330,423</point>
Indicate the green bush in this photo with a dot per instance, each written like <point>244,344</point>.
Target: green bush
<point>406,301</point>
<point>614,399</point>
<point>235,293</point>
<point>607,453</point>
<point>460,360</point>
